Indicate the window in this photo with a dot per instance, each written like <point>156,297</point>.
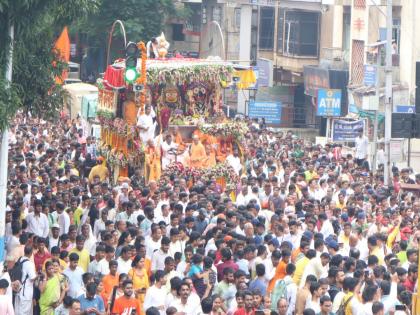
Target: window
<point>266,33</point>
<point>361,4</point>
<point>217,15</point>
<point>204,15</point>
<point>396,35</point>
<point>177,32</point>
<point>280,30</point>
<point>237,17</point>
<point>299,33</point>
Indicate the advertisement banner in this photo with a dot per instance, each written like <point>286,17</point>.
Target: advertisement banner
<point>370,75</point>
<point>315,78</point>
<point>271,111</point>
<point>265,73</point>
<point>344,130</point>
<point>329,103</point>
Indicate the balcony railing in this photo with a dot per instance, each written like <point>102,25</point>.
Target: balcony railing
<point>372,58</point>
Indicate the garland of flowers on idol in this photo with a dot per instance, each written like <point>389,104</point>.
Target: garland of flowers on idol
<point>116,157</point>
<point>187,74</point>
<point>234,129</point>
<point>221,170</point>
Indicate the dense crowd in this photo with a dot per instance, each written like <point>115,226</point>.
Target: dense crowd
<point>307,230</point>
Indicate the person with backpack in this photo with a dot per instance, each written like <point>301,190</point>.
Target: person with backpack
<point>287,289</point>
<point>350,300</point>
<point>24,272</point>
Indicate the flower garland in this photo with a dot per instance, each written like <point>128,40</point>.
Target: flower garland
<point>189,73</point>
<point>227,129</point>
<point>118,125</point>
<point>142,79</point>
<point>222,170</point>
<point>118,158</point>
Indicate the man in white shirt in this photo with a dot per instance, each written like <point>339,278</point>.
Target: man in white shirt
<point>124,261</point>
<point>74,275</point>
<point>23,303</point>
<point>153,242</point>
<point>317,266</point>
<point>159,256</point>
<point>361,146</point>
<point>146,125</point>
<point>234,161</point>
<point>169,149</point>
<point>63,218</point>
<point>183,304</point>
<point>156,294</point>
<point>37,221</point>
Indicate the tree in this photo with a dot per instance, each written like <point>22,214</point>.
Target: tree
<point>37,23</point>
<point>142,20</point>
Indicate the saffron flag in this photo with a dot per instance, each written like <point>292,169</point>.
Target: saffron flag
<point>62,46</point>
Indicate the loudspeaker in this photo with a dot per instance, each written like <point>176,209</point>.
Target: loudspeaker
<point>402,125</point>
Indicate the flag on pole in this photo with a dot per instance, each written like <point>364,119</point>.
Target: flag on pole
<point>62,46</point>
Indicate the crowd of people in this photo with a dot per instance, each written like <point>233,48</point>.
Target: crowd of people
<point>307,230</point>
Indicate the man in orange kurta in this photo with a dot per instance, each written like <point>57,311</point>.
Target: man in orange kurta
<point>211,156</point>
<point>198,154</point>
<point>153,167</point>
<point>280,270</point>
<point>223,150</point>
<point>177,138</point>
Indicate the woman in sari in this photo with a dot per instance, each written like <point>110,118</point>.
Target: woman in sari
<point>138,274</point>
<point>51,293</point>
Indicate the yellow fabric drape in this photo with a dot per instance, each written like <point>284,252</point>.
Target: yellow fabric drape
<point>247,78</point>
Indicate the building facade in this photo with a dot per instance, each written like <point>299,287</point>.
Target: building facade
<point>317,44</point>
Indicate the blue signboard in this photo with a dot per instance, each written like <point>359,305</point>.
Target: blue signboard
<point>329,103</point>
<point>405,109</point>
<point>271,111</point>
<point>344,130</point>
<point>265,70</point>
<point>370,75</point>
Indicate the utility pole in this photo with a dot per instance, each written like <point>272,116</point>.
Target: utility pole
<point>4,148</point>
<point>375,122</point>
<point>388,93</point>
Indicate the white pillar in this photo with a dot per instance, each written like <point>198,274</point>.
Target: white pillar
<point>244,50</point>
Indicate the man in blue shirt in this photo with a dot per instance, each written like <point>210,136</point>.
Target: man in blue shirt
<point>90,303</point>
<point>259,282</point>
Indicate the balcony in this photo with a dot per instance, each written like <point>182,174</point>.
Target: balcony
<point>372,59</point>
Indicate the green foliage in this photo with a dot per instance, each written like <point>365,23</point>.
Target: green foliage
<point>142,20</point>
<point>37,24</point>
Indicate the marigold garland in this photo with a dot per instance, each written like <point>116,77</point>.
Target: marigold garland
<point>142,79</point>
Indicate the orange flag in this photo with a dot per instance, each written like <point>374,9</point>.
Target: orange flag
<point>62,46</point>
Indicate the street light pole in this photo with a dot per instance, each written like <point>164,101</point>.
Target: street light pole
<point>375,122</point>
<point>4,148</point>
<point>388,93</point>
